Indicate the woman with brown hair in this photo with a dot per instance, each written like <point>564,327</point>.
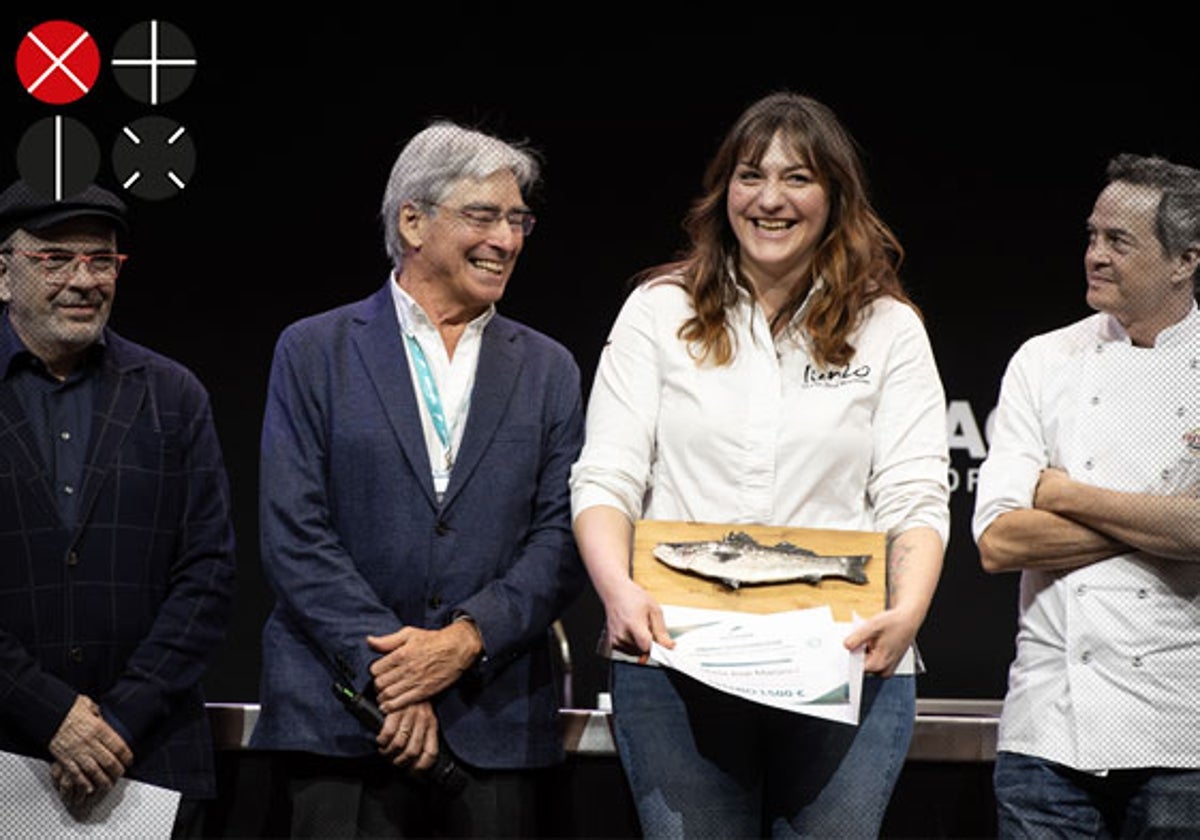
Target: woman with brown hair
<point>776,374</point>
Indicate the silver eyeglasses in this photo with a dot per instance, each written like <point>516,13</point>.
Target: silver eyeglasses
<point>487,216</point>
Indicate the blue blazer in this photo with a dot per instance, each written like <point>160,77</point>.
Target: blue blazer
<point>128,603</point>
<point>355,544</point>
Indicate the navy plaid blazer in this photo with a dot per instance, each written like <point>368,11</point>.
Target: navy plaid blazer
<point>128,603</point>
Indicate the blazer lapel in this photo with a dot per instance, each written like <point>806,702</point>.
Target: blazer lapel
<point>24,453</point>
<point>120,390</point>
<point>500,359</point>
<point>386,362</point>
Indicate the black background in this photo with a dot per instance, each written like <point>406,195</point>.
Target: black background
<point>985,138</point>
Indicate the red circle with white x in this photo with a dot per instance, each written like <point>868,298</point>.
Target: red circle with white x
<point>58,62</point>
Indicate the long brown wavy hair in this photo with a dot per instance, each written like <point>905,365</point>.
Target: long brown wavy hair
<point>858,257</point>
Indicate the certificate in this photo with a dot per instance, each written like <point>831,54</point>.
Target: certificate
<point>794,660</point>
<point>32,808</point>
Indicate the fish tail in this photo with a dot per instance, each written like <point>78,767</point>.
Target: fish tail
<point>856,568</point>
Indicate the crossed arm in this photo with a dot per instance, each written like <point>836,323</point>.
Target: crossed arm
<point>1072,524</point>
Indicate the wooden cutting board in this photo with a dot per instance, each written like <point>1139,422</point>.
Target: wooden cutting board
<point>671,586</point>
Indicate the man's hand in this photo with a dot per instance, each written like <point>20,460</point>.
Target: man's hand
<point>418,664</point>
<point>409,737</point>
<point>1052,486</point>
<point>89,754</point>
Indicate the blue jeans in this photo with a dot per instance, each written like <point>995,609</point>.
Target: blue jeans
<point>1038,798</point>
<point>703,763</point>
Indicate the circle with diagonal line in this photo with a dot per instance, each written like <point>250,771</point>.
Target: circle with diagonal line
<point>154,158</point>
<point>58,62</point>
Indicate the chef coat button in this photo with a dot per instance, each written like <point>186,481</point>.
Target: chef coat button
<point>1086,657</point>
<point>76,654</point>
<point>1166,475</point>
<point>1182,410</point>
<point>1088,464</point>
<point>1137,662</point>
<point>1095,401</point>
<point>435,602</point>
<point>1142,593</point>
<point>441,529</point>
<point>1195,364</point>
<point>1081,589</point>
<point>1099,348</point>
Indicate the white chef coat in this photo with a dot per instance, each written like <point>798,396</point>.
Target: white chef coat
<point>1108,655</point>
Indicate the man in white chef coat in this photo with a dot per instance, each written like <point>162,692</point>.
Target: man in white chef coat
<point>1091,488</point>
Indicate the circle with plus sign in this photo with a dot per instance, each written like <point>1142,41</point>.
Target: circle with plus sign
<point>154,61</point>
<point>57,62</point>
<point>154,158</point>
<point>58,157</point>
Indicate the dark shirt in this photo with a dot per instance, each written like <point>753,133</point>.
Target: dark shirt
<point>60,412</point>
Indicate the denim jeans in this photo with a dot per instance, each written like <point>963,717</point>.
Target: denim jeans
<point>703,763</point>
<point>1038,798</point>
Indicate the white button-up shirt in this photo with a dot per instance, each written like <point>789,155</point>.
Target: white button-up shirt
<point>453,377</point>
<point>1108,655</point>
<point>771,438</point>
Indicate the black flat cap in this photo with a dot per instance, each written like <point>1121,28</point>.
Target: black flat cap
<point>22,207</point>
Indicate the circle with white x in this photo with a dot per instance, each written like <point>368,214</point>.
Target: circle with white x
<point>154,61</point>
<point>58,62</point>
<point>154,158</point>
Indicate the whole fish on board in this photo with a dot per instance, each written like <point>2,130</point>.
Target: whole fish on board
<point>740,560</point>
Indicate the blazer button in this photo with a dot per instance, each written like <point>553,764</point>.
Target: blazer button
<point>72,558</point>
<point>76,654</point>
<point>435,602</point>
<point>441,529</point>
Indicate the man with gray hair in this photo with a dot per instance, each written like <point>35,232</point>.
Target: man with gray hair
<point>415,521</point>
<point>1092,489</point>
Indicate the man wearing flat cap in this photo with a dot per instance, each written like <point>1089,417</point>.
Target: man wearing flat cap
<point>116,548</point>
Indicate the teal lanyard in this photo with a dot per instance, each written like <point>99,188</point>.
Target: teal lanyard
<point>430,392</point>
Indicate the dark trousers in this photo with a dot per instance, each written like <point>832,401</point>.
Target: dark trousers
<point>189,820</point>
<point>344,798</point>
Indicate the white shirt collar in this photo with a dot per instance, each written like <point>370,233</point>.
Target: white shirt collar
<point>413,318</point>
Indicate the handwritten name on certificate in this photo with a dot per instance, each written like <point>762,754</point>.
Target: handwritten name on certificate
<point>792,660</point>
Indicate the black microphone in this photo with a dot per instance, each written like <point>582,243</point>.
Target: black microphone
<point>445,772</point>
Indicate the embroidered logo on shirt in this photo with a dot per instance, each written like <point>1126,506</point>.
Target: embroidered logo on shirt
<point>1192,439</point>
<point>836,377</point>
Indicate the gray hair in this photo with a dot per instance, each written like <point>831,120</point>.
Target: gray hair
<point>437,158</point>
<point>1177,221</point>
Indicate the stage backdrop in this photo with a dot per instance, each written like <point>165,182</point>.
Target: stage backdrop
<point>985,148</point>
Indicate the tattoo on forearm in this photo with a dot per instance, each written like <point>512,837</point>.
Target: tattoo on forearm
<point>897,559</point>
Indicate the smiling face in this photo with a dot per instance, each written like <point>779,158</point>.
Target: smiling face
<point>456,264</point>
<point>58,318</point>
<point>778,211</point>
<point>1129,276</point>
